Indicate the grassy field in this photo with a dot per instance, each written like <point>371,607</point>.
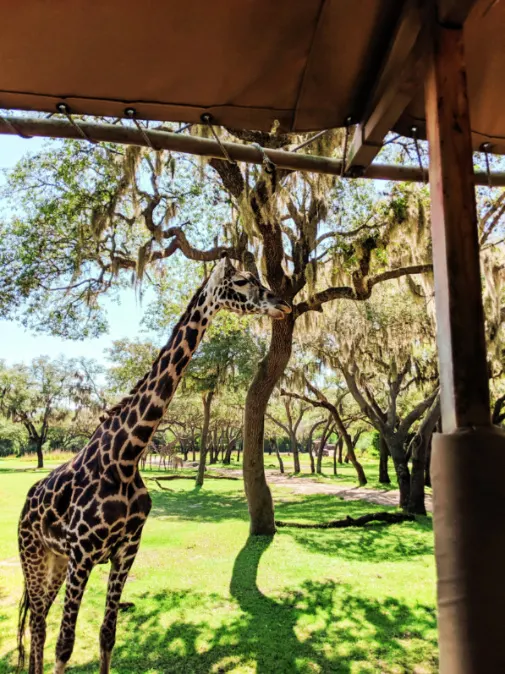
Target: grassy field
<point>208,599</point>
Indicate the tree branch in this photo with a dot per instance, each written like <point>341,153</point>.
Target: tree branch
<point>416,413</point>
<point>362,292</point>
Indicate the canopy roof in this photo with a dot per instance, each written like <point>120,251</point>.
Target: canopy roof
<point>310,64</point>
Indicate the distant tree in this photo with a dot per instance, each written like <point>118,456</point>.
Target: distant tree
<point>293,414</point>
<point>42,394</point>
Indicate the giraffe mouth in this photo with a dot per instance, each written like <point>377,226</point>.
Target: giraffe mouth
<point>279,311</point>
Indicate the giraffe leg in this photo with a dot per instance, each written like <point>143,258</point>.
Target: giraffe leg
<point>44,573</point>
<point>121,566</point>
<point>57,572</point>
<point>77,578</point>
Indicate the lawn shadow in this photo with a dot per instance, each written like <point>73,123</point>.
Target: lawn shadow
<point>19,471</point>
<point>321,626</point>
<point>198,504</point>
<point>375,542</point>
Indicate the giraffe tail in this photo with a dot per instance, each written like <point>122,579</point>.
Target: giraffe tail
<point>24,606</point>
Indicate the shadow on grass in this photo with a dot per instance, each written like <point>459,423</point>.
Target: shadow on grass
<point>198,504</point>
<point>322,627</point>
<point>375,542</point>
<point>22,471</point>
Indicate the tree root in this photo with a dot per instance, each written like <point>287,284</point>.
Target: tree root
<point>390,518</point>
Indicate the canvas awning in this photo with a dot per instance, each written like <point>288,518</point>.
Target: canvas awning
<point>310,64</point>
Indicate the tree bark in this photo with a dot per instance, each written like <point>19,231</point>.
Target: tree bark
<point>383,461</point>
<point>419,447</point>
<point>207,403</point>
<point>259,497</point>
<point>311,457</point>
<point>337,448</point>
<point>351,456</point>
<point>228,453</point>
<point>40,456</point>
<point>427,465</point>
<point>296,455</point>
<point>273,443</point>
<point>320,449</point>
<point>396,449</point>
<point>340,449</point>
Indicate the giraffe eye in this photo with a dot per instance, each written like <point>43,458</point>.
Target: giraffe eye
<point>242,282</point>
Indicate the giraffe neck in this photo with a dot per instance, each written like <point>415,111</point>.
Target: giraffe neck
<point>131,428</point>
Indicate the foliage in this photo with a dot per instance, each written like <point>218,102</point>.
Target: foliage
<point>13,438</point>
<point>46,393</point>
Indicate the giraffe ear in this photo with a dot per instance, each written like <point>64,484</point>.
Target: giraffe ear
<point>229,269</point>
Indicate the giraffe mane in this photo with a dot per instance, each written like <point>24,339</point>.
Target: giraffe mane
<point>115,409</point>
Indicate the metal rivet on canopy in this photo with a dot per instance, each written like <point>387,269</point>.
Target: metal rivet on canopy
<point>65,110</point>
<point>207,119</point>
<point>131,113</point>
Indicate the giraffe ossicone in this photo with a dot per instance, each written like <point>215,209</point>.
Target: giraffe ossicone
<point>92,509</point>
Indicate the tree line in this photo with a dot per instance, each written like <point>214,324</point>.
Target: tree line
<point>358,352</point>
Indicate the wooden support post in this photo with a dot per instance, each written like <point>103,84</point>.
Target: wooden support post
<point>468,460</point>
<point>460,315</point>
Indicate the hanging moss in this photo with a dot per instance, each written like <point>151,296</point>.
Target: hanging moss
<point>142,260</point>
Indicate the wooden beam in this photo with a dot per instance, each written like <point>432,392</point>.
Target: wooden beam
<point>163,140</point>
<point>460,315</point>
<point>454,12</point>
<point>400,77</point>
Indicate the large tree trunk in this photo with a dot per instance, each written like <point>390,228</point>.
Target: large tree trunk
<point>229,450</point>
<point>351,456</point>
<point>427,465</point>
<point>337,449</point>
<point>311,456</point>
<point>273,443</point>
<point>296,454</point>
<point>416,498</point>
<point>259,498</point>
<point>340,449</point>
<point>207,403</point>
<point>419,448</point>
<point>320,449</point>
<point>38,449</point>
<point>383,461</point>
<point>396,449</point>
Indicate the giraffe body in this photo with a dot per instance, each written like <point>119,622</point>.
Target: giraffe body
<point>92,509</point>
<point>177,462</point>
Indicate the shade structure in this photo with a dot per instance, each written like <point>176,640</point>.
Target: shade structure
<point>309,64</point>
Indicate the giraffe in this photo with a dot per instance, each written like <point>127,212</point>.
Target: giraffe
<point>177,462</point>
<point>167,453</point>
<point>92,509</point>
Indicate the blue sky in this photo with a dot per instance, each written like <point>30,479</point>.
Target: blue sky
<point>17,344</point>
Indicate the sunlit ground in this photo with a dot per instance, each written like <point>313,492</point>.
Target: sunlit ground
<point>210,600</point>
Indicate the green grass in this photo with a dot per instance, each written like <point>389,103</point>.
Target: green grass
<point>208,599</point>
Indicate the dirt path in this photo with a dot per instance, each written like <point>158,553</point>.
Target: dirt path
<point>305,485</point>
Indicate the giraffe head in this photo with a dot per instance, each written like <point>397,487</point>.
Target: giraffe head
<point>242,293</point>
